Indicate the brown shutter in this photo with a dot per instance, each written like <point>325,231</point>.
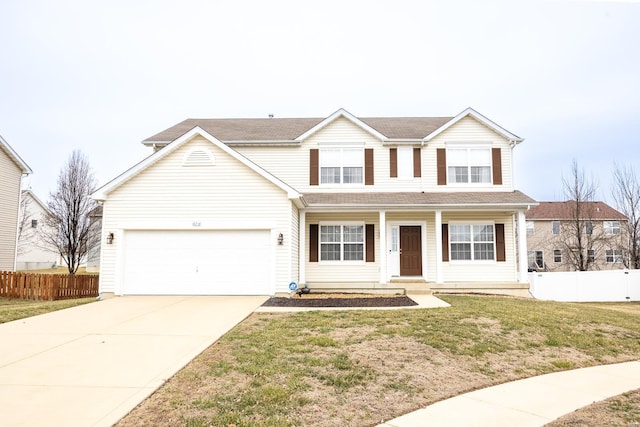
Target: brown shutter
<point>500,250</point>
<point>368,166</point>
<point>445,242</point>
<point>370,243</point>
<point>442,166</point>
<point>313,242</point>
<point>417,163</point>
<point>496,159</point>
<point>393,162</point>
<point>314,166</point>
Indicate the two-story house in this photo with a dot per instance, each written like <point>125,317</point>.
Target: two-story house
<point>12,169</point>
<point>569,236</point>
<point>250,206</point>
<point>34,253</point>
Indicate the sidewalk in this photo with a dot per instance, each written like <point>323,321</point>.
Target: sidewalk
<point>527,403</point>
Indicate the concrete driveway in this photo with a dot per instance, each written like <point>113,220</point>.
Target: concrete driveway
<point>90,365</point>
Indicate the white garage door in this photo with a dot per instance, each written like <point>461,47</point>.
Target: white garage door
<point>221,262</point>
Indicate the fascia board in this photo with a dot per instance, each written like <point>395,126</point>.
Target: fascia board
<point>15,157</point>
<point>515,139</point>
<point>341,113</point>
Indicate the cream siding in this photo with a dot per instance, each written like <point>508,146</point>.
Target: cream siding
<point>484,271</point>
<point>10,178</point>
<point>343,272</point>
<point>33,252</point>
<point>168,195</point>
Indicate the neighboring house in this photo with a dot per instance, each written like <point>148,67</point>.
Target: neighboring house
<point>93,255</point>
<point>552,235</point>
<point>12,169</point>
<point>33,251</point>
<point>248,206</point>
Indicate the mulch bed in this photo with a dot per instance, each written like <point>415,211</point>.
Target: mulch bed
<point>310,301</point>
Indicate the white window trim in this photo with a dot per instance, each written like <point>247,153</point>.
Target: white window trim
<point>609,228</point>
<point>617,259</point>
<point>473,261</point>
<point>341,147</point>
<point>470,145</point>
<point>559,228</point>
<point>343,262</point>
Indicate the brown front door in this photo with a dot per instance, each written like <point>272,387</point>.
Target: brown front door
<point>410,251</point>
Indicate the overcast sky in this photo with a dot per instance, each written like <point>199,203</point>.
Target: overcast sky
<point>101,76</point>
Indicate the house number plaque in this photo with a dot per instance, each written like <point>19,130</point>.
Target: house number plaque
<point>196,224</point>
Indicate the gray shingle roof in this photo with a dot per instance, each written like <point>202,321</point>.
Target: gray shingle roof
<point>288,129</point>
<point>418,199</point>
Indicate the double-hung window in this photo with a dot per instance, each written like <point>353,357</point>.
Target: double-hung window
<point>613,255</point>
<point>536,259</point>
<point>557,255</point>
<point>342,165</point>
<point>469,165</point>
<point>472,242</point>
<point>342,242</point>
<point>555,227</point>
<point>611,227</point>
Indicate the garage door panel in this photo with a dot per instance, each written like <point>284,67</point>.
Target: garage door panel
<point>221,262</point>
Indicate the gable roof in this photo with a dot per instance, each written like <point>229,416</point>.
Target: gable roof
<point>4,145</point>
<point>564,211</point>
<point>294,130</point>
<point>102,192</point>
<point>35,198</point>
<point>470,112</point>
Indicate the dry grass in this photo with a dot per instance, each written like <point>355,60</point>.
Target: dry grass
<point>14,309</point>
<point>358,368</point>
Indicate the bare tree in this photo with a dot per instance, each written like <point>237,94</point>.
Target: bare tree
<point>582,240</point>
<point>626,193</point>
<point>69,229</point>
<point>25,233</point>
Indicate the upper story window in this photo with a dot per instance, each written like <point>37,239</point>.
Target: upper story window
<point>555,227</point>
<point>341,166</point>
<point>588,227</point>
<point>469,165</point>
<point>472,242</point>
<point>530,228</point>
<point>611,227</point>
<point>34,223</point>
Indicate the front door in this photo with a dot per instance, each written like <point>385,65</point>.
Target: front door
<point>410,250</point>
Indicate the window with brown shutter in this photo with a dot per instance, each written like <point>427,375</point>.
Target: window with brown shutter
<point>441,154</point>
<point>500,246</point>
<point>496,160</point>
<point>393,162</point>
<point>314,166</point>
<point>368,166</point>
<point>370,243</point>
<point>417,163</point>
<point>445,242</point>
<point>313,242</point>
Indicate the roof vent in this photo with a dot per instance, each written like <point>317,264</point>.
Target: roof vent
<point>199,157</point>
<point>271,116</point>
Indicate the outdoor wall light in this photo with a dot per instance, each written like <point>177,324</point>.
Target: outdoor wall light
<point>280,238</point>
<point>109,238</point>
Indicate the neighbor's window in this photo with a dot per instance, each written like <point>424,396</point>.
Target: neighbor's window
<point>472,242</point>
<point>342,243</point>
<point>611,227</point>
<point>34,223</point>
<point>555,227</point>
<point>588,227</point>
<point>469,165</point>
<point>530,228</point>
<point>341,166</point>
<point>536,259</point>
<point>557,255</point>
<point>591,255</point>
<point>613,255</point>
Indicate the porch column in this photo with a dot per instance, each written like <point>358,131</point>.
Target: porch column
<point>383,247</point>
<point>523,262</point>
<point>302,248</point>
<point>438,225</point>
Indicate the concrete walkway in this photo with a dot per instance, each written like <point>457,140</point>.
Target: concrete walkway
<point>90,365</point>
<point>530,402</point>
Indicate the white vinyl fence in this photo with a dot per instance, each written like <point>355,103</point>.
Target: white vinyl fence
<point>586,286</point>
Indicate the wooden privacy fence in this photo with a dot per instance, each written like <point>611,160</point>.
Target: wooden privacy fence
<point>36,286</point>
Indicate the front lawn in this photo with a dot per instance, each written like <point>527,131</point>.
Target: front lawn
<point>13,309</point>
<point>358,368</point>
